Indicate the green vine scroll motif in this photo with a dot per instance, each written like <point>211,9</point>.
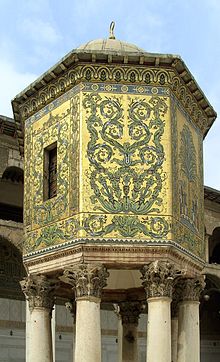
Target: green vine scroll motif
<point>127,226</point>
<point>188,184</point>
<point>74,153</point>
<point>188,154</point>
<point>125,153</point>
<point>53,234</point>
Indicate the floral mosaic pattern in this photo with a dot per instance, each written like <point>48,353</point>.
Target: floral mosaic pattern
<point>121,165</point>
<point>126,160</point>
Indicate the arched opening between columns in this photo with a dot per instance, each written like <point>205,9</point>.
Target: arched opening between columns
<point>12,303</point>
<point>210,320</point>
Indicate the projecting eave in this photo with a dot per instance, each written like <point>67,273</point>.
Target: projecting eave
<point>7,126</point>
<point>113,57</point>
<point>211,194</point>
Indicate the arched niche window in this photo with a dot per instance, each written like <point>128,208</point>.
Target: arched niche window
<point>210,309</point>
<point>11,194</point>
<point>11,270</point>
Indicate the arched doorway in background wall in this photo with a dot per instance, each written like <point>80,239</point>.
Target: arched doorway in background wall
<point>12,304</point>
<point>210,320</point>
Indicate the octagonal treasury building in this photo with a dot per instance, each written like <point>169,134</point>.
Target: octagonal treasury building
<point>113,202</point>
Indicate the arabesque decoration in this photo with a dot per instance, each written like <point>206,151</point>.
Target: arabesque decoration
<point>57,233</point>
<point>126,226</point>
<point>188,180</point>
<point>125,153</point>
<point>126,74</point>
<point>74,153</point>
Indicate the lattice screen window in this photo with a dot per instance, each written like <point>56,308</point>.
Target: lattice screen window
<point>50,171</point>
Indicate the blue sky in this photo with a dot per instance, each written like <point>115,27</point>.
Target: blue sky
<point>35,34</point>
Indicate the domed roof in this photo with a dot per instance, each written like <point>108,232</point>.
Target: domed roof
<point>110,45</point>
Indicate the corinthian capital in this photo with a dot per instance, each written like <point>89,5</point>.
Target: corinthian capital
<point>87,279</point>
<point>39,291</point>
<point>130,312</point>
<point>176,297</point>
<point>191,289</point>
<point>158,278</point>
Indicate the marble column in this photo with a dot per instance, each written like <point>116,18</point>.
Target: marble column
<point>87,280</point>
<point>39,292</point>
<point>158,278</point>
<point>120,331</point>
<point>188,330</point>
<point>174,324</point>
<point>27,332</point>
<point>71,307</point>
<point>53,330</point>
<point>130,312</point>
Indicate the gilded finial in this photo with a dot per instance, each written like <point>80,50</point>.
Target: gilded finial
<point>111,30</point>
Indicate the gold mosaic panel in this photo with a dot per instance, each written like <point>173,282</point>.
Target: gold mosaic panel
<point>188,225</point>
<point>121,178</point>
<point>126,171</point>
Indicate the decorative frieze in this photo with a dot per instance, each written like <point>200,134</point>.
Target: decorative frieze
<point>39,291</point>
<point>158,278</point>
<point>87,280</point>
<point>125,74</point>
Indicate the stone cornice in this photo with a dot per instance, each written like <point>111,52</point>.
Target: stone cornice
<point>119,253</point>
<point>150,69</point>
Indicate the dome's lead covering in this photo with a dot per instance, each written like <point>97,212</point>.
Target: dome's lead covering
<point>110,44</point>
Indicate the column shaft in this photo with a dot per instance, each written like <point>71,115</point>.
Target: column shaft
<point>87,281</point>
<point>130,312</point>
<point>53,331</point>
<point>188,329</point>
<point>39,291</point>
<point>159,330</point>
<point>88,332</point>
<point>188,337</point>
<point>174,339</point>
<point>129,343</point>
<point>120,338</point>
<point>27,331</point>
<point>71,306</point>
<point>40,336</point>
<point>158,281</point>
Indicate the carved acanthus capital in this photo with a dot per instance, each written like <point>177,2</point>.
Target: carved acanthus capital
<point>191,288</point>
<point>87,280</point>
<point>176,298</point>
<point>39,291</point>
<point>158,278</point>
<point>130,312</point>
